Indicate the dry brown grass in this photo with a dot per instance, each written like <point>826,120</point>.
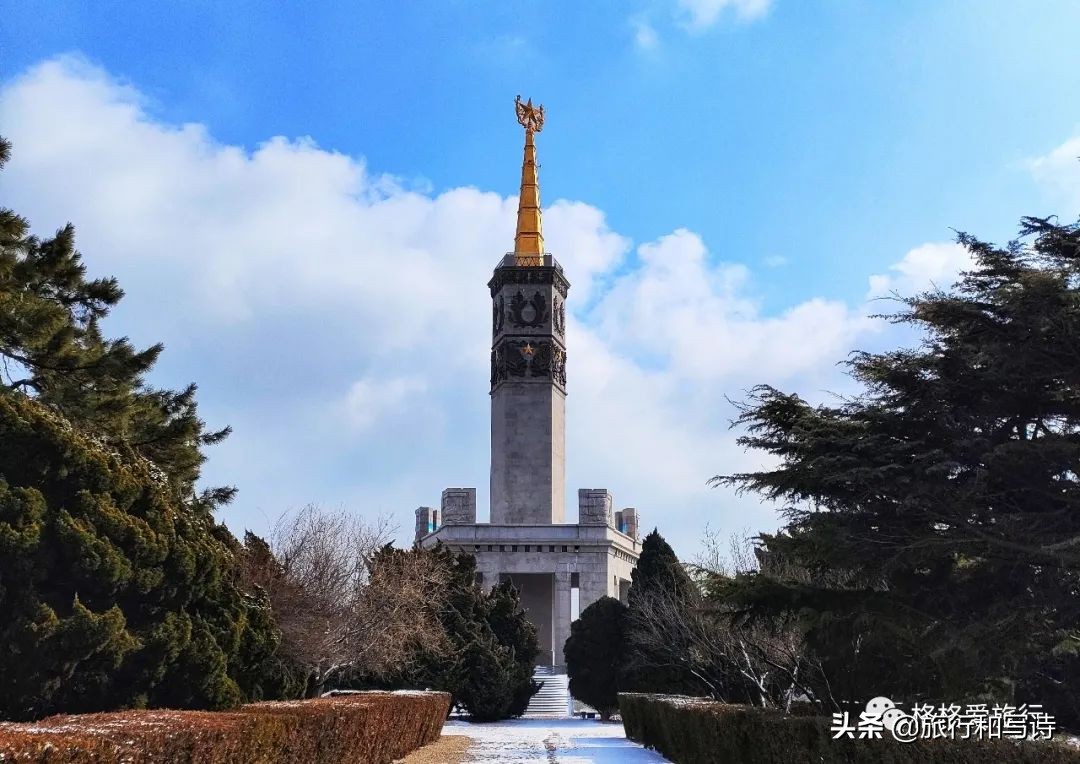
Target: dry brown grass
<point>448,749</point>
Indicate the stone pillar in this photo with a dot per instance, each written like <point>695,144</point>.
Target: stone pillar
<point>560,617</point>
<point>459,506</point>
<point>594,507</point>
<point>594,569</point>
<point>593,587</point>
<point>630,522</point>
<point>425,521</point>
<point>528,393</point>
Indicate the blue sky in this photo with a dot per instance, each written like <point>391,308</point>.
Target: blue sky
<point>304,204</point>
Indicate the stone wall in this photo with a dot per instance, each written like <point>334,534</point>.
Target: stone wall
<point>458,506</point>
<point>626,521</point>
<point>425,521</point>
<point>594,507</point>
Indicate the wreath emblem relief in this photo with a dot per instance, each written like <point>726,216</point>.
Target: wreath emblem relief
<point>558,315</point>
<point>532,312</point>
<point>498,311</point>
<point>558,367</point>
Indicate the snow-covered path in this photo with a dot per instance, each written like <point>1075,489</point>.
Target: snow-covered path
<point>552,741</point>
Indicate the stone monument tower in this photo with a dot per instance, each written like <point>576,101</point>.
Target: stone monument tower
<point>528,364</point>
<point>527,539</point>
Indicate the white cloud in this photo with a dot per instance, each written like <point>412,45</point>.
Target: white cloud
<point>645,36</point>
<point>285,227</point>
<point>369,398</point>
<point>928,266</point>
<point>340,321</point>
<point>1059,173</point>
<point>701,321</point>
<point>701,14</point>
<point>938,264</point>
<point>303,291</point>
<point>775,261</point>
<point>591,249</point>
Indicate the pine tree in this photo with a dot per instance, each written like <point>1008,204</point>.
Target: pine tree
<point>658,574</point>
<point>492,647</point>
<point>450,669</point>
<point>595,655</point>
<point>486,690</point>
<point>117,588</point>
<point>933,521</point>
<point>112,594</point>
<point>512,629</point>
<point>657,568</point>
<point>53,349</point>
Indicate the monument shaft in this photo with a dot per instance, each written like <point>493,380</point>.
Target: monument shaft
<point>528,393</point>
<point>528,541</point>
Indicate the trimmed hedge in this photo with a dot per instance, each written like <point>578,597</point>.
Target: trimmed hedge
<point>375,727</point>
<point>700,731</point>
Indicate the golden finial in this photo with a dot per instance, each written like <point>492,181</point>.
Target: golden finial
<point>529,239</point>
<point>530,117</point>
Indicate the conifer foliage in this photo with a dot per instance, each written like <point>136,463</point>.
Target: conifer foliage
<point>660,587</point>
<point>52,347</point>
<point>513,631</point>
<point>595,653</point>
<point>933,527</point>
<point>117,587</point>
<point>487,664</point>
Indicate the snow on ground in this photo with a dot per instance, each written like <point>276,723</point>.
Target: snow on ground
<point>553,741</point>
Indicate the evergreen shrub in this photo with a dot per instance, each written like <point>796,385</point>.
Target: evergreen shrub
<point>699,731</point>
<point>372,727</point>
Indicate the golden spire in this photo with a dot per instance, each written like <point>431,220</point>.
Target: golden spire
<point>529,239</point>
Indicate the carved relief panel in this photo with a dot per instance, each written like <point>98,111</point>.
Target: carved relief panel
<point>498,314</point>
<point>528,311</point>
<point>528,359</point>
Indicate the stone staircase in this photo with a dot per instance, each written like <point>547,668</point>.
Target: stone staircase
<point>553,700</point>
